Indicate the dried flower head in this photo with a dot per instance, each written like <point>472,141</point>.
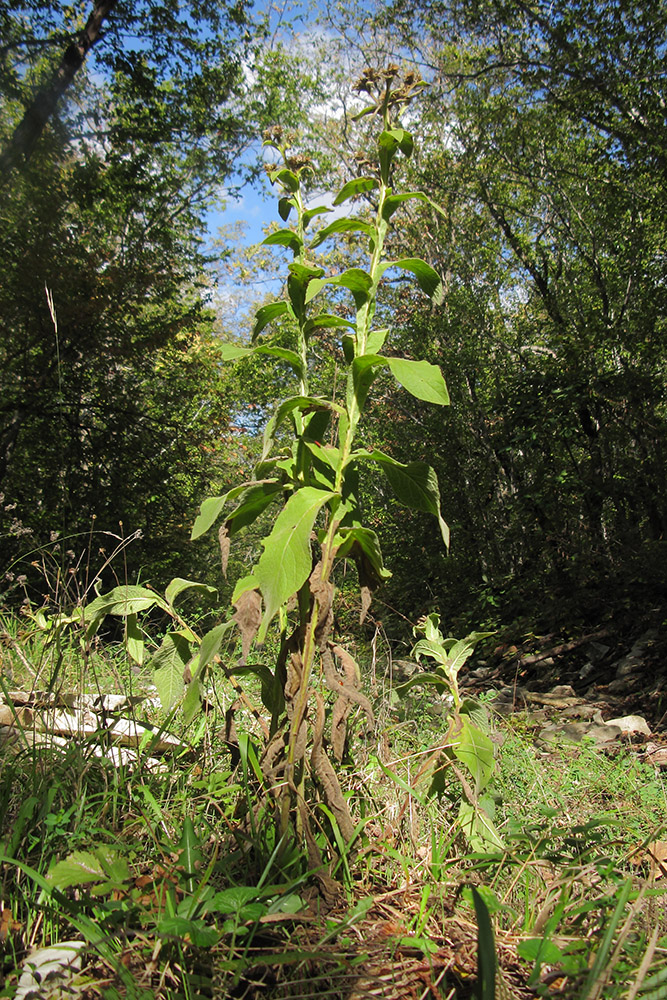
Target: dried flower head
<point>273,134</point>
<point>367,82</point>
<point>298,161</point>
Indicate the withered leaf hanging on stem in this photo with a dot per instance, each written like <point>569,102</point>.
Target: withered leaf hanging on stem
<point>293,682</point>
<point>347,689</point>
<point>225,545</point>
<point>327,776</point>
<point>248,617</point>
<point>369,581</point>
<point>322,593</point>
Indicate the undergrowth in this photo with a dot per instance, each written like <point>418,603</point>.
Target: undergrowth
<point>178,890</point>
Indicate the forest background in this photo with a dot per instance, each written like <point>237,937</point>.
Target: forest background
<point>541,138</point>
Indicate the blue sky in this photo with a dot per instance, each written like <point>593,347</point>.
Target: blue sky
<point>251,209</point>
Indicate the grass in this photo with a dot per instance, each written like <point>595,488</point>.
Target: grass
<point>168,866</point>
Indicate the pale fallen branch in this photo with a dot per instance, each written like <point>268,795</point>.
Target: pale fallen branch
<point>40,719</point>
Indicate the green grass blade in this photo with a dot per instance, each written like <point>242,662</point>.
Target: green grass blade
<point>598,974</point>
<point>486,950</point>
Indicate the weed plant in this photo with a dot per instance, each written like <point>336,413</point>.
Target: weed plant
<point>289,836</point>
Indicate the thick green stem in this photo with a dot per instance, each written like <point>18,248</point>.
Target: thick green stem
<point>364,320</point>
<point>349,423</point>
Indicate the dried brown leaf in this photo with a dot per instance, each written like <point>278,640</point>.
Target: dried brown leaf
<point>272,752</point>
<point>327,776</point>
<point>339,715</point>
<point>225,545</point>
<point>294,673</point>
<point>301,743</point>
<point>248,617</point>
<point>366,595</point>
<point>657,852</point>
<point>322,593</point>
<point>349,686</point>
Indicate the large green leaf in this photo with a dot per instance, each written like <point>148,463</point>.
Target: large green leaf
<point>397,138</point>
<point>311,213</point>
<point>325,320</point>
<point>286,562</point>
<point>462,650</point>
<point>168,665</point>
<point>178,585</point>
<point>212,507</point>
<point>197,932</point>
<point>285,206</point>
<point>415,484</point>
<point>427,278</point>
<point>234,352</point>
<point>134,640</point>
<point>304,272</point>
<point>284,238</point>
<point>300,276</point>
<point>363,374</point>
<point>432,648</point>
<point>342,226</point>
<point>125,600</point>
<point>286,177</point>
<point>328,454</point>
<point>252,503</point>
<point>393,201</point>
<point>359,282</point>
<point>375,340</point>
<point>422,678</point>
<point>474,749</point>
<point>82,867</point>
<point>192,700</point>
<point>211,642</point>
<point>283,354</point>
<point>389,143</point>
<point>272,692</point>
<point>363,545</point>
<point>266,315</point>
<point>421,379</point>
<point>541,951</point>
<point>355,187</point>
<point>479,829</point>
<point>208,513</point>
<point>305,404</point>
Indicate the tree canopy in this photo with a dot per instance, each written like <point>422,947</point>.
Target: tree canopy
<point>111,402</point>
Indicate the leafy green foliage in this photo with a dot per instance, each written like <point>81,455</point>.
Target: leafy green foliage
<point>105,869</point>
<point>286,562</point>
<point>536,179</point>
<point>114,405</point>
<point>317,485</point>
<point>464,738</point>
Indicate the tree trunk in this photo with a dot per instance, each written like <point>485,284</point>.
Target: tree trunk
<point>43,104</point>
